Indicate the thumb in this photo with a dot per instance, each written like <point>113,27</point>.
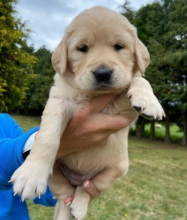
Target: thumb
<point>91,189</point>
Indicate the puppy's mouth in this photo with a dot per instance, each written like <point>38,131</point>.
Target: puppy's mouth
<point>103,86</point>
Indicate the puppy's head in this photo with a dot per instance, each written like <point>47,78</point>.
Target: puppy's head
<point>101,51</point>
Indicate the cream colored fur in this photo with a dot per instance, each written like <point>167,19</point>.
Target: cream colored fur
<point>100,29</point>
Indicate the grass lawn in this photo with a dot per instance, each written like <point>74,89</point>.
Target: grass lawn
<point>175,134</point>
<point>154,189</point>
<point>27,122</point>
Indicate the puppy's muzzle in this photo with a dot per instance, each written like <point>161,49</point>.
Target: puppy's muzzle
<point>103,76</point>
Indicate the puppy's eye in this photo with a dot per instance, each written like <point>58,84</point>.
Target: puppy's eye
<point>118,47</point>
<point>83,48</point>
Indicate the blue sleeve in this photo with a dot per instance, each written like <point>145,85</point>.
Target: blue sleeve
<point>12,142</point>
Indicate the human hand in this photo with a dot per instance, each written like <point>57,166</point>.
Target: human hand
<point>90,127</point>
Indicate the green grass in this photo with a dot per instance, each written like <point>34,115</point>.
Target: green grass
<point>154,188</point>
<point>26,122</point>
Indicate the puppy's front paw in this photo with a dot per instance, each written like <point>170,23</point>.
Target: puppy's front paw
<point>146,103</point>
<point>79,208</point>
<point>29,180</point>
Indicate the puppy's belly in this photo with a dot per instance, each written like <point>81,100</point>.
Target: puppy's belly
<point>74,177</point>
<point>84,165</point>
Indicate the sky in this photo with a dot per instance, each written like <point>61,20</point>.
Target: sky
<point>48,18</point>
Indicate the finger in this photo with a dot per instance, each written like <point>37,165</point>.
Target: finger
<point>91,189</point>
<point>68,200</point>
<point>98,103</point>
<point>113,122</point>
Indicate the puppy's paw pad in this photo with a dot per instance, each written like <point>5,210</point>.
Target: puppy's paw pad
<point>153,110</point>
<point>30,188</point>
<point>78,211</point>
<point>146,104</point>
<point>28,184</point>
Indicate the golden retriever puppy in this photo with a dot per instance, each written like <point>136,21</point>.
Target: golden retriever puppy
<point>100,53</point>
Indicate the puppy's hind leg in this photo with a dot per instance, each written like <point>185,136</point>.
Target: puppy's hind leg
<point>62,212</point>
<point>61,189</point>
<point>80,203</point>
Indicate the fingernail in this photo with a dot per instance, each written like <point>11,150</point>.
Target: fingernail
<point>54,197</point>
<point>68,203</point>
<point>15,194</point>
<point>87,184</point>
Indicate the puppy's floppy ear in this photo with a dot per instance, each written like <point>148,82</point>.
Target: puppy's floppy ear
<point>142,57</point>
<point>59,58</point>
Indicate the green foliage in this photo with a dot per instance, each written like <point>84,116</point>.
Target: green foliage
<point>41,84</point>
<point>176,38</point>
<point>15,63</point>
<point>128,11</point>
<point>162,27</point>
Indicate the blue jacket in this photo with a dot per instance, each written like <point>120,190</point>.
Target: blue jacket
<point>12,141</point>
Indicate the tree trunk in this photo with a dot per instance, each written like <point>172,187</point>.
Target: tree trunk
<point>17,111</point>
<point>152,130</point>
<point>26,110</point>
<point>167,123</point>
<point>184,140</point>
<point>138,130</point>
<point>142,126</point>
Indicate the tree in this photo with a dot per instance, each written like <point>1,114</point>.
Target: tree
<point>152,26</point>
<point>169,58</point>
<point>140,127</point>
<point>176,39</point>
<point>148,21</point>
<point>128,11</point>
<point>15,63</point>
<point>162,27</point>
<point>40,85</point>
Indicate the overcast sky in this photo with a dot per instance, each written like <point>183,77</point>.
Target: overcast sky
<point>49,18</point>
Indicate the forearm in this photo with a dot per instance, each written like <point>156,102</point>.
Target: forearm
<point>11,157</point>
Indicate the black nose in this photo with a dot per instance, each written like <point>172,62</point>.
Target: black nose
<point>103,75</point>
